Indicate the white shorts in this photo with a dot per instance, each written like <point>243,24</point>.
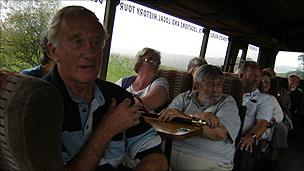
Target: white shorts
<point>184,162</point>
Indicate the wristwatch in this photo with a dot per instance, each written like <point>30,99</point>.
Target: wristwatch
<point>253,135</point>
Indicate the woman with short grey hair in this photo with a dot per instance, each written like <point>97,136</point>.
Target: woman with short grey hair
<point>147,85</point>
<point>139,58</point>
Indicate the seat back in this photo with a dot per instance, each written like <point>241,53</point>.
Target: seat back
<point>179,81</point>
<point>233,86</point>
<point>31,115</point>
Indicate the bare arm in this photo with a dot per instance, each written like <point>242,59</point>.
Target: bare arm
<point>214,130</point>
<point>247,141</point>
<point>155,98</point>
<point>218,133</point>
<point>117,119</point>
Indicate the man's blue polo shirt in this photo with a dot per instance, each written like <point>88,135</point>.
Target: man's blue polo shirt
<point>74,141</point>
<point>136,141</point>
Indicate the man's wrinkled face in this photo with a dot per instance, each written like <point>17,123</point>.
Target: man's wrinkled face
<point>210,90</point>
<point>251,78</point>
<point>80,49</point>
<point>293,82</point>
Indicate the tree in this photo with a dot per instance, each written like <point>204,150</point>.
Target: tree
<point>301,60</point>
<point>22,29</point>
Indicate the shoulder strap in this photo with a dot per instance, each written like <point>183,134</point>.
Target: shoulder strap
<point>127,81</point>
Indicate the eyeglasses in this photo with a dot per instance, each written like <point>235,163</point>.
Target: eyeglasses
<point>152,62</point>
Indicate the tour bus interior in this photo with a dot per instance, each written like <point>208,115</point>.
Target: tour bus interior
<point>272,26</point>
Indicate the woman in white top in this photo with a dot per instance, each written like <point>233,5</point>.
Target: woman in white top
<point>278,131</point>
<point>152,89</point>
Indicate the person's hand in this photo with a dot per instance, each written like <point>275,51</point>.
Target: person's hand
<point>271,123</point>
<point>139,102</point>
<point>211,119</point>
<point>246,143</point>
<point>120,117</point>
<point>293,86</point>
<point>169,114</point>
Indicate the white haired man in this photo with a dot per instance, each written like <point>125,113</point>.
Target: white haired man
<point>101,124</point>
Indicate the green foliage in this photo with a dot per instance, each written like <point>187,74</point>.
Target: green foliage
<point>301,60</point>
<point>22,29</point>
<point>119,66</point>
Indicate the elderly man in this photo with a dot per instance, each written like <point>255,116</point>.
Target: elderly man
<point>258,113</point>
<point>194,64</point>
<point>295,94</point>
<point>100,124</point>
<point>213,148</point>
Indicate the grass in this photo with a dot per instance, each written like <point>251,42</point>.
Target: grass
<point>119,66</point>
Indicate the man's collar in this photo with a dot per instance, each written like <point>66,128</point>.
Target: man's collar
<point>193,94</point>
<point>255,92</point>
<point>61,85</point>
<point>97,95</point>
<point>57,80</point>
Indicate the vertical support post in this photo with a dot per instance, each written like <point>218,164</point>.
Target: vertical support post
<point>267,57</point>
<point>204,43</point>
<point>228,55</point>
<point>108,26</point>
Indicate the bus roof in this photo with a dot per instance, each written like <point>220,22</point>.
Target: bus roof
<point>274,24</point>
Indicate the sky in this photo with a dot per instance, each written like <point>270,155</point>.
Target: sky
<point>134,29</point>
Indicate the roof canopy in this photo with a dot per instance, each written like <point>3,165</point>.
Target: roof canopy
<point>267,23</point>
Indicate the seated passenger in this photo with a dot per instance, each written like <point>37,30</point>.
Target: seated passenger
<point>193,65</point>
<point>295,94</point>
<point>281,93</point>
<point>152,89</point>
<point>213,148</point>
<point>259,111</point>
<point>46,63</point>
<point>277,131</point>
<point>101,123</point>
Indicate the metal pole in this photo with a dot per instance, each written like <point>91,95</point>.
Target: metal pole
<point>108,26</point>
<point>204,43</point>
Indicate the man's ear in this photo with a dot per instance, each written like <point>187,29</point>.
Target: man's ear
<point>52,52</point>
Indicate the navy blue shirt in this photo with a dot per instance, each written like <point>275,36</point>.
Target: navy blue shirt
<point>136,141</point>
<point>35,71</point>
